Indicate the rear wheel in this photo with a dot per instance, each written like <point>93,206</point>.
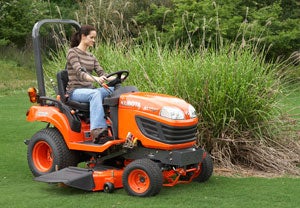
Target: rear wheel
<point>143,178</point>
<point>47,152</point>
<point>206,169</point>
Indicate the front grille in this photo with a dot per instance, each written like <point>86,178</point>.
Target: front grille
<point>165,133</point>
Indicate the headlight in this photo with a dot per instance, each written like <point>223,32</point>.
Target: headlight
<point>192,112</point>
<point>172,113</point>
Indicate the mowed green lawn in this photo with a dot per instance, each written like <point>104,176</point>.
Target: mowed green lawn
<point>18,189</point>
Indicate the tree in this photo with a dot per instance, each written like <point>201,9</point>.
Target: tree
<point>278,26</point>
<point>207,22</point>
<point>17,19</point>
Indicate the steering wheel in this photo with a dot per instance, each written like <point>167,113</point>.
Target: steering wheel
<point>119,77</point>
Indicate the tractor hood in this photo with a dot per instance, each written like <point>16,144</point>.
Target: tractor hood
<point>159,104</point>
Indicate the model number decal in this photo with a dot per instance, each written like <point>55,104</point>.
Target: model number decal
<point>131,103</point>
<point>41,113</point>
<point>148,108</point>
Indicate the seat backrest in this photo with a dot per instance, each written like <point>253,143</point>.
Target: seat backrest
<point>62,82</point>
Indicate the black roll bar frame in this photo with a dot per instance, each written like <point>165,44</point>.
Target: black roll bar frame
<point>37,48</point>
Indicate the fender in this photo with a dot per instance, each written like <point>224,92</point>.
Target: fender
<point>52,115</point>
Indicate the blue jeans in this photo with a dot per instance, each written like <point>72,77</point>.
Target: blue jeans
<point>95,98</point>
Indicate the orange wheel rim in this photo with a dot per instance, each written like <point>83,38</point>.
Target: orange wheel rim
<point>42,156</point>
<point>139,181</point>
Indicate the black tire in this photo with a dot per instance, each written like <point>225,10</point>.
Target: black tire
<point>108,187</point>
<point>143,178</point>
<point>47,151</point>
<point>206,169</point>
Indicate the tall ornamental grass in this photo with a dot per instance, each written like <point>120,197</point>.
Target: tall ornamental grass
<point>231,89</point>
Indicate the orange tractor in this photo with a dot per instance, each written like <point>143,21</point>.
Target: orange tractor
<point>154,137</point>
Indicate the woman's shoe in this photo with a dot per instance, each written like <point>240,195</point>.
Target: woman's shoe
<point>100,135</point>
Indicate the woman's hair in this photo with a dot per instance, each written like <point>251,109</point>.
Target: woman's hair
<point>84,30</point>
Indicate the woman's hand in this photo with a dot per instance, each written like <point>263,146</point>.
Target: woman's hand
<point>101,79</point>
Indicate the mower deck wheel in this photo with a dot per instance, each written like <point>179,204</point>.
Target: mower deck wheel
<point>109,187</point>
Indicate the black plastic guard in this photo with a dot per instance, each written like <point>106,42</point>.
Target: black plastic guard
<point>72,176</point>
<point>179,157</point>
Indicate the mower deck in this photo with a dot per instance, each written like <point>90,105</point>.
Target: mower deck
<point>101,178</point>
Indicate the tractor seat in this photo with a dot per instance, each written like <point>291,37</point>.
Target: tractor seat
<point>62,82</point>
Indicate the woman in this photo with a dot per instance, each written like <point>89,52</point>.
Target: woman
<point>80,86</point>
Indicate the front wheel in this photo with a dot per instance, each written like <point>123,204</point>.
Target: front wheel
<point>47,152</point>
<point>143,178</point>
<point>206,169</point>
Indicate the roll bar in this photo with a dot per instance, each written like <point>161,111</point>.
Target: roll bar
<point>37,48</point>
